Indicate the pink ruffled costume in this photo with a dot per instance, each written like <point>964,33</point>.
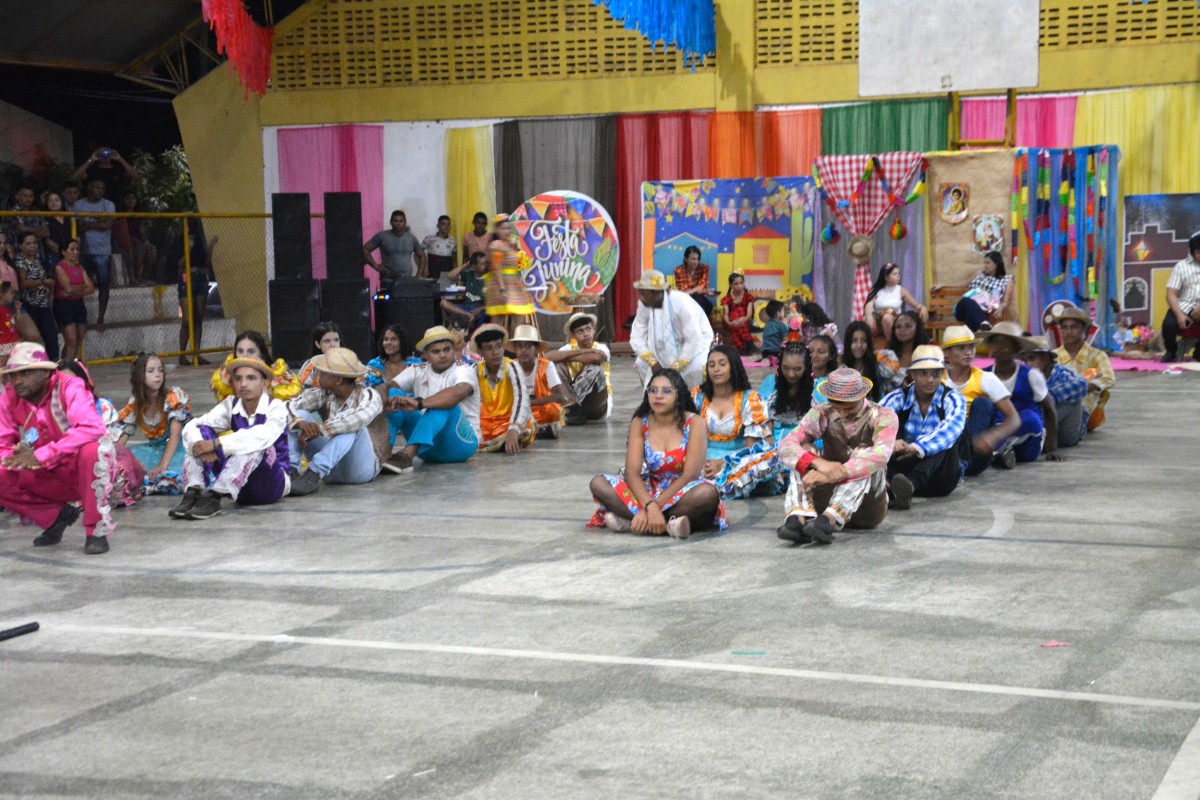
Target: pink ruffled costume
<point>73,447</point>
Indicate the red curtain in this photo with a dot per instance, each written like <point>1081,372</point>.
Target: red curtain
<point>650,147</point>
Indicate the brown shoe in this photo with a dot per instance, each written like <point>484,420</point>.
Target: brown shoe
<point>399,463</point>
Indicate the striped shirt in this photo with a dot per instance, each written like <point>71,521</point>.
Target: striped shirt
<point>930,434</point>
<point>1185,279</point>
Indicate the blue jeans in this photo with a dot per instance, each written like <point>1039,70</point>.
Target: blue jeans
<point>99,267</point>
<point>342,458</point>
<point>1026,443</point>
<point>441,435</point>
<point>970,313</point>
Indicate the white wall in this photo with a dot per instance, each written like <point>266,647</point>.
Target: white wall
<point>414,165</point>
<point>25,136</point>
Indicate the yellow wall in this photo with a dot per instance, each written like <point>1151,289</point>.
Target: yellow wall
<point>222,135</point>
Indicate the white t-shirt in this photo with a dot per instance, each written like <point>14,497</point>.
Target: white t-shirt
<point>1037,382</point>
<point>552,378</point>
<point>991,385</point>
<point>889,297</point>
<point>421,381</point>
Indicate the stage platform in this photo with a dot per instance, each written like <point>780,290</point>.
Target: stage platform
<point>457,632</point>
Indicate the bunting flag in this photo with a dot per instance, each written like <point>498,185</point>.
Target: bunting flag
<point>688,25</point>
<point>247,46</point>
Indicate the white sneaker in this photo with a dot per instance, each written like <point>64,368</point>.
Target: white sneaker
<point>615,523</point>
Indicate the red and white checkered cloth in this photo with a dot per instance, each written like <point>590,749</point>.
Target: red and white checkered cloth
<point>840,176</point>
<point>862,288</point>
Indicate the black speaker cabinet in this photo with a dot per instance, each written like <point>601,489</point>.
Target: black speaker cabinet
<point>291,226</point>
<point>295,311</point>
<point>413,304</point>
<point>343,236</point>
<point>348,303</point>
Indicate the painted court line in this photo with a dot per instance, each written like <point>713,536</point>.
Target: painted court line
<point>629,661</point>
<point>1182,781</point>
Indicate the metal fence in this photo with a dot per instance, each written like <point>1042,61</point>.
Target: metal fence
<point>180,285</point>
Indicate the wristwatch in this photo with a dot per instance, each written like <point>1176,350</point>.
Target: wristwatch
<point>420,404</point>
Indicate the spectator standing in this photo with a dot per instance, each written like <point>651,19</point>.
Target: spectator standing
<point>70,196</point>
<point>478,239</point>
<point>36,286</point>
<point>107,166</point>
<point>29,224</point>
<point>96,243</point>
<point>400,254</point>
<point>60,228</point>
<point>137,253</point>
<point>441,252</point>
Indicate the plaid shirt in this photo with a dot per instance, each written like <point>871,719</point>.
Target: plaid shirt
<point>1066,385</point>
<point>991,286</point>
<point>1185,279</point>
<point>356,413</point>
<point>863,443</point>
<point>930,434</point>
<point>685,282</point>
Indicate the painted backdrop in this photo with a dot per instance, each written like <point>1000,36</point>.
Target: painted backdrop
<point>1157,227</point>
<point>762,228</point>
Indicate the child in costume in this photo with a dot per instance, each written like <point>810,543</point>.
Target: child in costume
<point>159,414</point>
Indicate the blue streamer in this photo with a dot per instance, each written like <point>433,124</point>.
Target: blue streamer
<point>688,25</point>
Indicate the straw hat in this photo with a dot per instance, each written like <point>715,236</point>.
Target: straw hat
<point>1070,312</point>
<point>340,361</point>
<point>652,281</point>
<point>527,333</point>
<point>28,355</point>
<point>438,333</point>
<point>860,249</point>
<point>1038,344</point>
<point>1010,329</point>
<point>253,363</point>
<point>956,335</point>
<point>500,219</point>
<point>575,319</point>
<point>491,326</point>
<point>928,356</point>
<point>846,385</point>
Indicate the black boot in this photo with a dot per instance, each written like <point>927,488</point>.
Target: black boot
<point>65,519</point>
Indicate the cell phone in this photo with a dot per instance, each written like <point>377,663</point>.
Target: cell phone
<point>106,153</point>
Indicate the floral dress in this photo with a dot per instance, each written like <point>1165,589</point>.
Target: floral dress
<point>177,407</point>
<point>375,378</point>
<point>746,470</point>
<point>128,483</point>
<point>740,337</point>
<point>659,469</point>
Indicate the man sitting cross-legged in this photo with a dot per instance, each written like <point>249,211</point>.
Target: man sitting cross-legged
<point>584,364</point>
<point>991,417</point>
<point>55,453</point>
<point>547,392</point>
<point>1075,327</point>
<point>332,426</point>
<point>250,461</point>
<point>436,419</point>
<point>845,484</point>
<point>932,418</point>
<point>501,411</point>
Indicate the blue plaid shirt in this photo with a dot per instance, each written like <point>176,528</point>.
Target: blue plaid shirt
<point>1066,385</point>
<point>930,434</point>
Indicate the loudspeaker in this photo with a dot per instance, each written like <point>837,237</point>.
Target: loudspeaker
<point>291,229</point>
<point>348,303</point>
<point>343,236</point>
<point>413,304</point>
<point>295,311</point>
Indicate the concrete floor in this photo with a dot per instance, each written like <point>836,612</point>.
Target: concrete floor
<point>457,632</point>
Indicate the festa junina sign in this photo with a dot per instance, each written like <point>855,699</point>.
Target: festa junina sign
<point>569,250</point>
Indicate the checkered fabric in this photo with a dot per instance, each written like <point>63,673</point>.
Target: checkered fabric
<point>840,176</point>
<point>862,288</point>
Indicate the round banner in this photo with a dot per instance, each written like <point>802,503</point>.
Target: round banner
<point>569,250</point>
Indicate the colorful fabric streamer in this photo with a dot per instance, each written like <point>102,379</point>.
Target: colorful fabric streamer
<point>247,46</point>
<point>688,25</point>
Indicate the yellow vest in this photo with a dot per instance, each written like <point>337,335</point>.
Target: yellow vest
<point>973,387</point>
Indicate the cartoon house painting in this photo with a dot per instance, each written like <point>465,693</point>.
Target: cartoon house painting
<point>1150,255</point>
<point>763,256</point>
<point>668,254</point>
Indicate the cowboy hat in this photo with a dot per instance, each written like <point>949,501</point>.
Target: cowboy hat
<point>1070,312</point>
<point>340,361</point>
<point>651,281</point>
<point>527,333</point>
<point>1038,344</point>
<point>928,356</point>
<point>438,333</point>
<point>1010,329</point>
<point>956,335</point>
<point>253,363</point>
<point>575,319</point>
<point>860,248</point>
<point>28,355</point>
<point>846,385</point>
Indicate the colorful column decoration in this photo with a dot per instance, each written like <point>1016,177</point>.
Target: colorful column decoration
<point>689,25</point>
<point>247,46</point>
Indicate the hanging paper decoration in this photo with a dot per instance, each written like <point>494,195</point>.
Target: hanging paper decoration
<point>859,189</point>
<point>898,231</point>
<point>829,234</point>
<point>688,25</point>
<point>247,46</point>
